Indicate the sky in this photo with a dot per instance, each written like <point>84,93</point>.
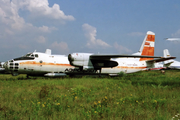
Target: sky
<point>96,26</point>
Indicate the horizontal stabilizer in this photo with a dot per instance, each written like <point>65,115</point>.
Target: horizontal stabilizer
<point>160,60</point>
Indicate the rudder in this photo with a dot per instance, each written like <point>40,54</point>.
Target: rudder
<point>166,53</point>
<point>148,47</point>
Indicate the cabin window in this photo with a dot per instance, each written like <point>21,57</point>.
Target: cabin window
<point>41,61</point>
<point>36,55</point>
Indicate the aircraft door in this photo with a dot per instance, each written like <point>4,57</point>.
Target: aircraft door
<point>40,66</point>
<point>122,67</point>
<point>125,68</point>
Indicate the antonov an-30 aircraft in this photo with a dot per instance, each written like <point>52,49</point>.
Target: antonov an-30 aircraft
<point>46,64</point>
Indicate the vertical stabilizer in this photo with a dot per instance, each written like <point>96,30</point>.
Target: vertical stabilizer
<point>147,47</point>
<point>166,53</point>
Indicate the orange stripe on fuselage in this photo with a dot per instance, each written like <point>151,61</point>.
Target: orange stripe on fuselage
<point>126,67</point>
<point>44,63</point>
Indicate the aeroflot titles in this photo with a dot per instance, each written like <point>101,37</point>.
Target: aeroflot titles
<point>78,70</point>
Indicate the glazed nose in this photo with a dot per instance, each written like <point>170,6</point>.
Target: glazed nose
<point>1,64</point>
<point>5,65</point>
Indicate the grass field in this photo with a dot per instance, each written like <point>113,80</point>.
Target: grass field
<point>148,95</point>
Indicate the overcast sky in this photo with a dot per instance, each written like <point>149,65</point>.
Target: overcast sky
<point>95,26</point>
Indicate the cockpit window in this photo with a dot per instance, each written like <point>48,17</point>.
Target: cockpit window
<point>28,55</point>
<point>11,61</point>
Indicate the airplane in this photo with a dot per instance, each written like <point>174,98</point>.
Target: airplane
<point>172,39</point>
<point>46,64</point>
<point>174,64</point>
<point>114,64</point>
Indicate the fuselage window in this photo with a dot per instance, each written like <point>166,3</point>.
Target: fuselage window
<point>36,55</point>
<point>41,61</point>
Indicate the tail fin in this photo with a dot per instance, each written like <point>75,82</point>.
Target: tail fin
<point>167,63</point>
<point>166,53</point>
<point>147,47</point>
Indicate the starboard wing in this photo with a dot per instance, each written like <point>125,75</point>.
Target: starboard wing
<point>108,57</point>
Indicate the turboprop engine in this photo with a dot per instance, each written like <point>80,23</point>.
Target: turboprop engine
<point>80,60</point>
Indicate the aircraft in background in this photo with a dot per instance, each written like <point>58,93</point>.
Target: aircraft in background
<point>114,64</point>
<point>172,39</point>
<point>39,64</point>
<point>174,64</point>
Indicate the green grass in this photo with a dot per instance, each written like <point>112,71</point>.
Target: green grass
<point>145,95</point>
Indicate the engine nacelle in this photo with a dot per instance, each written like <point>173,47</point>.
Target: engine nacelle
<point>80,60</point>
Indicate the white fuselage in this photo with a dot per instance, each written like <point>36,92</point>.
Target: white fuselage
<point>43,64</point>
